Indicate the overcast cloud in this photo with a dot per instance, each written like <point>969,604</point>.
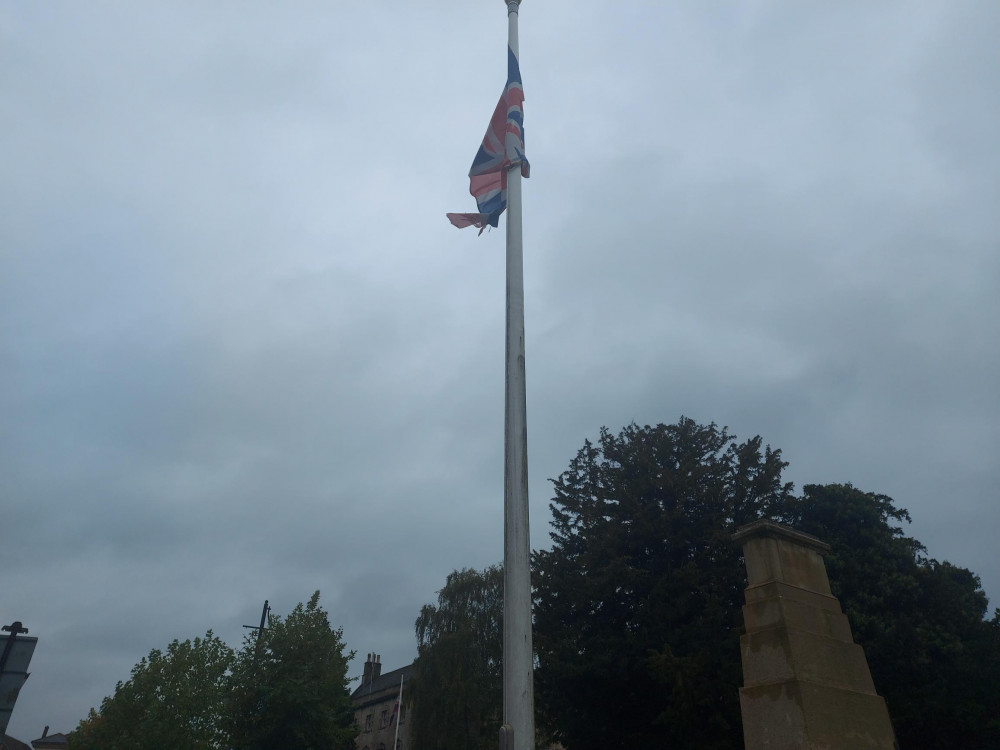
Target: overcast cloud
<point>244,356</point>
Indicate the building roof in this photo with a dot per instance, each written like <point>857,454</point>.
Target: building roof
<point>9,743</point>
<point>389,680</point>
<point>57,740</point>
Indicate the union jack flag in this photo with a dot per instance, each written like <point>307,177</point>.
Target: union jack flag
<point>502,148</point>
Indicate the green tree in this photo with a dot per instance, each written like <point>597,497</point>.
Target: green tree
<point>172,701</point>
<point>289,686</point>
<point>457,688</point>
<point>932,655</point>
<point>637,608</point>
<point>638,602</point>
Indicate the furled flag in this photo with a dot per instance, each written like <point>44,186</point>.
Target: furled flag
<point>503,148</point>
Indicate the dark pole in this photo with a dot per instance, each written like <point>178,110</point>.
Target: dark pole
<point>263,621</point>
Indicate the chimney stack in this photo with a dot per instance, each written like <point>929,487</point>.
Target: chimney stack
<point>366,676</point>
<point>373,668</point>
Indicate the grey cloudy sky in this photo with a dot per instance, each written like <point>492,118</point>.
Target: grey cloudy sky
<point>244,356</point>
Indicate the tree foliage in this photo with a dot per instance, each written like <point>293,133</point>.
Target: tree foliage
<point>174,700</point>
<point>921,622</point>
<point>289,686</point>
<point>457,688</point>
<point>638,603</point>
<point>286,689</point>
<point>637,610</point>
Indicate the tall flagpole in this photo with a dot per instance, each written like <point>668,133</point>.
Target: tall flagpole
<point>399,711</point>
<point>518,690</point>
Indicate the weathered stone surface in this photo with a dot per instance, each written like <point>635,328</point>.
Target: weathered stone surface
<point>782,590</point>
<point>778,611</point>
<point>798,715</point>
<point>778,553</point>
<point>806,683</point>
<point>783,654</point>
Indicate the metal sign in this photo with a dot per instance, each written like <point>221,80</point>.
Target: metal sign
<point>15,672</point>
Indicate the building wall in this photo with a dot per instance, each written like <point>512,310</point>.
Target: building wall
<point>373,703</point>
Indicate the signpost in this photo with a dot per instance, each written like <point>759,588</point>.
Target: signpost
<point>14,660</point>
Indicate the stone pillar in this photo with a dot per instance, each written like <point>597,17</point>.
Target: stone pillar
<point>806,683</point>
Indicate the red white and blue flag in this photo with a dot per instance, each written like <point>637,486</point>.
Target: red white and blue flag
<point>502,149</point>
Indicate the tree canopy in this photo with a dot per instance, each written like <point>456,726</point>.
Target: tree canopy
<point>638,602</point>
<point>286,688</point>
<point>174,700</point>
<point>457,688</point>
<point>932,655</point>
<point>637,606</point>
<point>289,685</point>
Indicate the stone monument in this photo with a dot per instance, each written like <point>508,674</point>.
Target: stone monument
<point>806,683</point>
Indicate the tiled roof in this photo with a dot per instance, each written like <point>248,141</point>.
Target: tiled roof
<point>383,682</point>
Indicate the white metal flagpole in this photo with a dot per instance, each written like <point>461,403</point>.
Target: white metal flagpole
<point>518,690</point>
<point>399,712</point>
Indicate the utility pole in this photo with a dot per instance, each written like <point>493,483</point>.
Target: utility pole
<point>263,621</point>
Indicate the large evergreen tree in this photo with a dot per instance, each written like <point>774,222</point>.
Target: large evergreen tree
<point>638,603</point>
<point>457,688</point>
<point>637,606</point>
